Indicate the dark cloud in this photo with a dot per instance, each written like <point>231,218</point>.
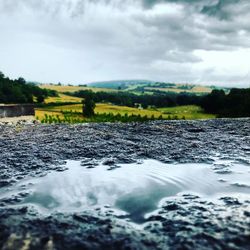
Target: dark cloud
<point>90,40</point>
<point>153,2</point>
<point>219,9</point>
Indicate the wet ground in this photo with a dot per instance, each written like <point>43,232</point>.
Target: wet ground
<point>157,185</point>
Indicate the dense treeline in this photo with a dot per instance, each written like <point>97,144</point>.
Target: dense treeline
<point>129,99</point>
<point>234,104</point>
<point>18,91</point>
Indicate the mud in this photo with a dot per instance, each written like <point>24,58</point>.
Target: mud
<point>182,221</point>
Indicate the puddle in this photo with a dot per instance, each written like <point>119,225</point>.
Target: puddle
<point>133,189</point>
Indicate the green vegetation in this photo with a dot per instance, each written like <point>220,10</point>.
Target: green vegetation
<point>123,106</point>
<point>189,112</point>
<point>138,87</point>
<point>61,98</point>
<point>69,88</point>
<point>120,84</point>
<point>72,117</point>
<point>131,100</point>
<point>161,87</point>
<point>110,113</point>
<point>150,87</point>
<point>234,104</point>
<point>18,91</point>
<point>88,107</point>
<point>101,108</point>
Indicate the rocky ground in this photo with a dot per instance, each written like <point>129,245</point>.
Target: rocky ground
<point>18,120</point>
<point>186,222</point>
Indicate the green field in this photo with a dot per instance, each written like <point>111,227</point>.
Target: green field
<point>61,98</point>
<point>148,88</point>
<point>151,86</point>
<point>177,89</point>
<point>71,89</point>
<point>190,112</point>
<point>180,112</point>
<point>75,110</point>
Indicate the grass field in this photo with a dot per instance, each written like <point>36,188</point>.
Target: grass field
<point>101,108</point>
<point>75,110</point>
<point>65,88</point>
<point>62,98</point>
<point>195,90</point>
<point>198,89</point>
<point>190,112</point>
<point>180,112</point>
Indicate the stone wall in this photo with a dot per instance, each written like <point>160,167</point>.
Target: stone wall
<point>15,110</point>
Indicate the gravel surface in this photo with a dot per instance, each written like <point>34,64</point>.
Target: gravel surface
<point>17,120</point>
<point>184,222</point>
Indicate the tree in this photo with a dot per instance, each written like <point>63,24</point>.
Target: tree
<point>214,102</point>
<point>18,91</point>
<point>21,80</point>
<point>1,75</point>
<point>88,106</point>
<point>40,98</point>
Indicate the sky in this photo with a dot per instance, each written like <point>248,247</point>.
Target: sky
<point>82,41</point>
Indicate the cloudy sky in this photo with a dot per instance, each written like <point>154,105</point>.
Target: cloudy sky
<point>81,41</point>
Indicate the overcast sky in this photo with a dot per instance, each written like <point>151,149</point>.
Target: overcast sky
<point>81,41</point>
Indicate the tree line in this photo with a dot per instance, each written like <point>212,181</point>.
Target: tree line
<point>19,91</point>
<point>158,100</point>
<point>234,104</point>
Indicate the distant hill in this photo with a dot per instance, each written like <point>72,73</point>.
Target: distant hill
<point>146,86</point>
<point>138,87</point>
<point>119,84</point>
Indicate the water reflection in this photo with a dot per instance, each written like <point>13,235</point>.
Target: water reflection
<point>143,200</point>
<point>133,188</point>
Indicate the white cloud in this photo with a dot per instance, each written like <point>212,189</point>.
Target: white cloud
<point>231,67</point>
<point>88,40</point>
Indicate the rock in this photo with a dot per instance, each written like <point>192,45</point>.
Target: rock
<point>32,150</point>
